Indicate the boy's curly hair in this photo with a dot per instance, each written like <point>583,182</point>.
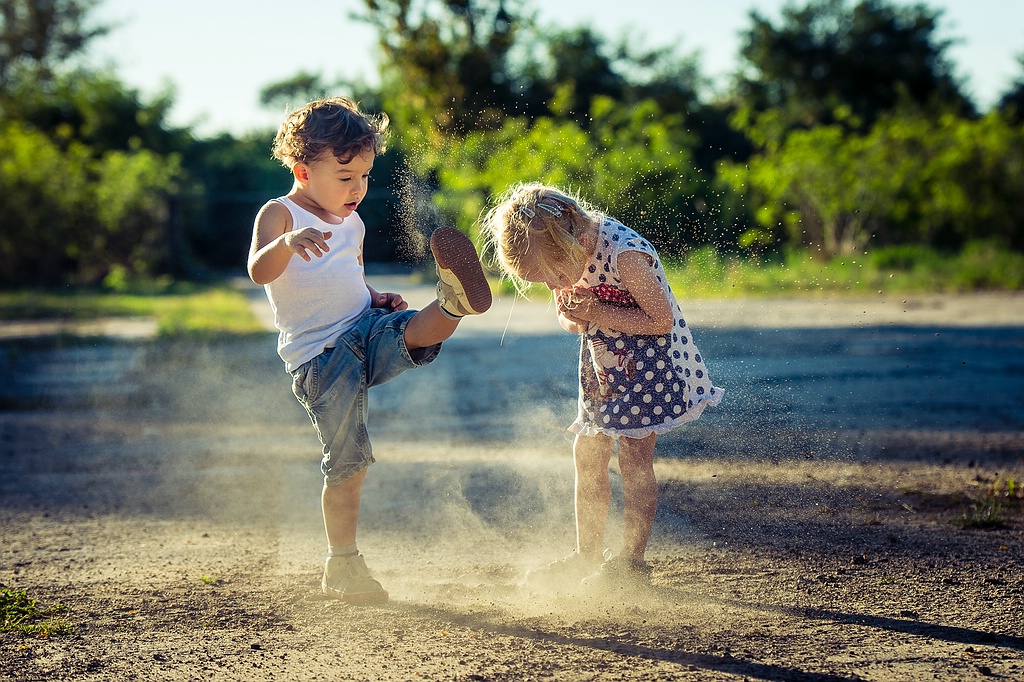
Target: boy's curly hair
<point>334,125</point>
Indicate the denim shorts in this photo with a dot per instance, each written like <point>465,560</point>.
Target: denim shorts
<point>333,386</point>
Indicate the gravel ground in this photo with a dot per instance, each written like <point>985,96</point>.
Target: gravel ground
<point>167,494</point>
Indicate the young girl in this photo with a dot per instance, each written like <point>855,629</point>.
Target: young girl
<point>640,372</point>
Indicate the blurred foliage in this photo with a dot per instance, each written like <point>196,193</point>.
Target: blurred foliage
<point>908,180</point>
<point>70,215</point>
<point>982,265</point>
<point>37,38</point>
<point>446,63</point>
<point>87,169</point>
<point>633,163</point>
<point>96,110</point>
<point>844,132</point>
<point>456,67</point>
<point>869,57</point>
<point>1011,104</point>
<point>230,178</point>
<point>624,126</point>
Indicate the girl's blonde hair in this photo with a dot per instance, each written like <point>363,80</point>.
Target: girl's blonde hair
<point>539,224</point>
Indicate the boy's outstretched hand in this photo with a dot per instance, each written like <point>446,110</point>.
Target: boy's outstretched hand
<point>307,239</point>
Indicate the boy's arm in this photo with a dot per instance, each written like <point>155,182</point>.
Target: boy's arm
<point>380,299</point>
<point>274,242</point>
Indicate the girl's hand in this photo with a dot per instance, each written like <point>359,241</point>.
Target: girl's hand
<point>391,301</point>
<point>307,239</point>
<point>578,303</point>
<point>567,305</point>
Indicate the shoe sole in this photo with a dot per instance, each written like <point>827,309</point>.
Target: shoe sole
<point>454,251</point>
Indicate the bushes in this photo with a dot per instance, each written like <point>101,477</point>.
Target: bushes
<point>635,163</point>
<point>67,215</point>
<point>940,182</point>
<point>981,265</point>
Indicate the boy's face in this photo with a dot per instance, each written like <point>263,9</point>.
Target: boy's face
<point>336,187</point>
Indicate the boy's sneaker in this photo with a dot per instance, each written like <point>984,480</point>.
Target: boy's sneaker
<point>563,575</point>
<point>462,288</point>
<point>347,578</point>
<point>619,573</point>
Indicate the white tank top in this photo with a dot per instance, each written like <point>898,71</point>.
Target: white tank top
<point>315,303</point>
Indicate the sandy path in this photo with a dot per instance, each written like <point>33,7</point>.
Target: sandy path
<point>167,493</point>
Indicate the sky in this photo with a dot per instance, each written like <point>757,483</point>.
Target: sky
<point>216,56</point>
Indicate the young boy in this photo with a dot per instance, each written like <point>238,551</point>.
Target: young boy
<point>338,335</point>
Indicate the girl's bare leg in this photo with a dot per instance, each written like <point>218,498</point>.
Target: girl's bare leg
<point>429,326</point>
<point>640,493</point>
<point>593,493</point>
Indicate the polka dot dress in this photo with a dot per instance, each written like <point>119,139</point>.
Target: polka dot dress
<point>636,385</point>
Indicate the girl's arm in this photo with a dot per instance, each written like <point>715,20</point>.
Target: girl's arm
<point>653,314</point>
<point>274,243</point>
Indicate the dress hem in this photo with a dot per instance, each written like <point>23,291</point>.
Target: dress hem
<point>581,428</point>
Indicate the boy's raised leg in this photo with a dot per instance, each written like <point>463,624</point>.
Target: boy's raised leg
<point>462,289</point>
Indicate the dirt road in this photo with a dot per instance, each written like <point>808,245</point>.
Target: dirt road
<point>167,494</point>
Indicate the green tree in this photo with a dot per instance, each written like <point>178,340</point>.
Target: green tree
<point>814,191</point>
<point>634,163</point>
<point>69,215</point>
<point>291,93</point>
<point>868,58</point>
<point>1011,103</point>
<point>471,63</point>
<point>969,185</point>
<point>574,66</point>
<point>98,198</point>
<point>98,110</point>
<point>445,63</point>
<point>568,69</point>
<point>450,101</point>
<point>38,37</point>
<point>941,182</point>
<point>229,178</point>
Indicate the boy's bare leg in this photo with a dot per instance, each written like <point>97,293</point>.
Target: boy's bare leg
<point>429,326</point>
<point>640,493</point>
<point>341,510</point>
<point>593,493</point>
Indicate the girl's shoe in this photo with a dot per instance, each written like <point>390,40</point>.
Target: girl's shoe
<point>563,575</point>
<point>619,573</point>
<point>462,288</point>
<point>347,578</point>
